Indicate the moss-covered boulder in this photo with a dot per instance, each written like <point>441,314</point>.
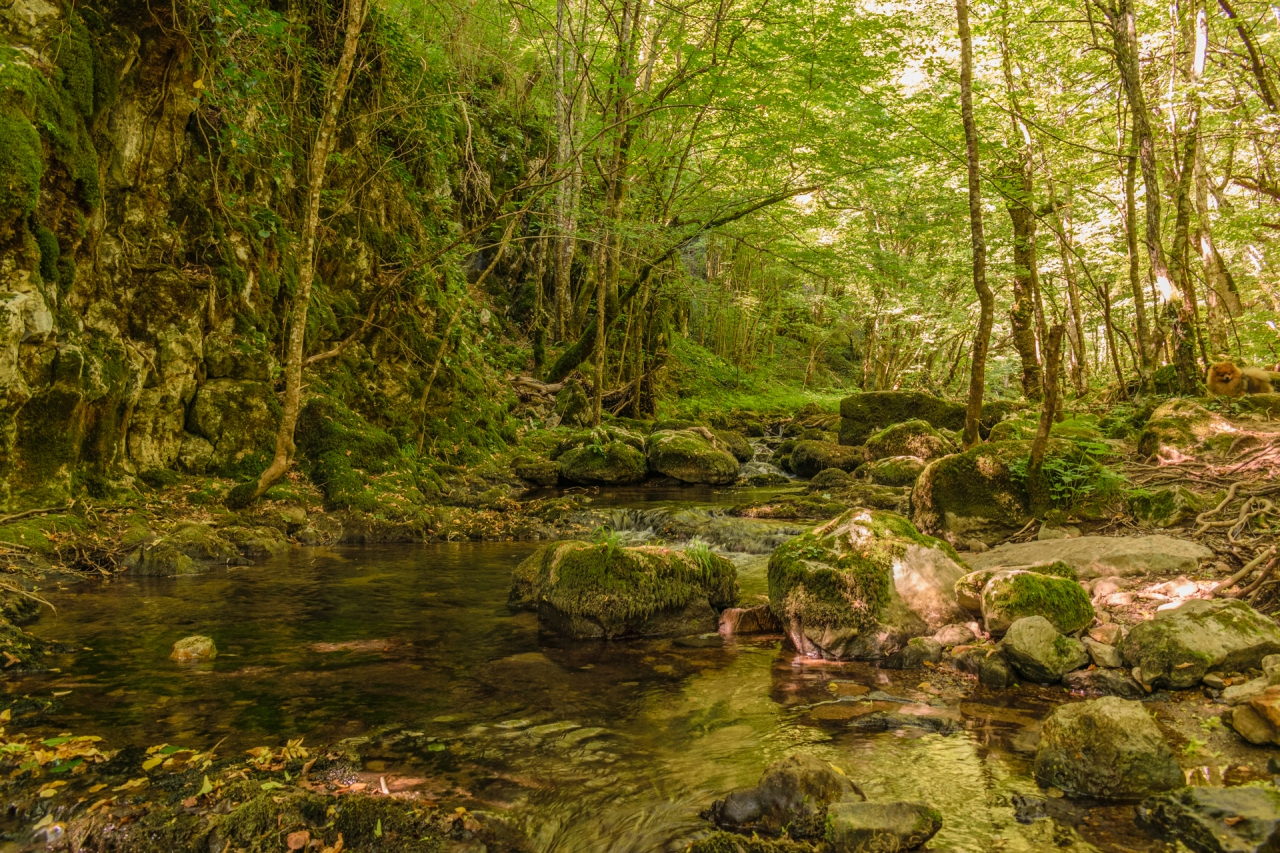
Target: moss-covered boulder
<point>236,417</point>
<point>536,470</point>
<point>573,439</point>
<point>1178,428</point>
<point>613,464</point>
<point>735,443</point>
<point>573,406</point>
<point>910,438</point>
<point>194,649</point>
<point>969,588</point>
<point>791,800</point>
<point>586,591</point>
<point>862,585</point>
<point>1011,595</point>
<point>1175,648</point>
<point>893,470</point>
<point>1107,748</point>
<point>1039,653</point>
<point>863,415</point>
<point>185,550</point>
<point>859,827</point>
<point>1160,508</point>
<point>973,494</point>
<point>692,456</point>
<point>810,457</point>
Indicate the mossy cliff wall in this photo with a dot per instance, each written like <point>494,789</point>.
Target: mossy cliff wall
<point>146,253</point>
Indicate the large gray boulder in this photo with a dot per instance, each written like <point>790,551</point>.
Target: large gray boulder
<point>1016,594</point>
<point>1177,647</point>
<point>692,456</point>
<point>855,827</point>
<point>1101,556</point>
<point>862,585</point>
<point>1039,653</point>
<point>1108,748</point>
<point>1242,819</point>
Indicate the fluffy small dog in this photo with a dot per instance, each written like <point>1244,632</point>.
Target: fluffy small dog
<point>1227,380</point>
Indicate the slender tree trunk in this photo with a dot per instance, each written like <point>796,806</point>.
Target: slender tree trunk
<point>565,201</point>
<point>1037,484</point>
<point>986,299</point>
<point>1022,313</point>
<point>317,170</point>
<point>1146,352</point>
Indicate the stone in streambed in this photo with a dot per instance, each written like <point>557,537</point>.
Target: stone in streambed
<point>914,438</point>
<point>194,649</point>
<point>612,464</point>
<point>955,634</point>
<point>809,458</point>
<point>858,827</point>
<point>1101,556</point>
<point>1015,594</point>
<point>1257,719</point>
<point>1216,820</point>
<point>987,663</point>
<point>1108,748</point>
<point>1103,682</point>
<point>1103,654</point>
<point>893,470</point>
<point>1039,653</point>
<point>1176,647</point>
<point>792,798</point>
<point>735,621</point>
<point>691,456</point>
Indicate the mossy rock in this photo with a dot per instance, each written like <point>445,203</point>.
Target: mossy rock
<point>1014,594</point>
<point>910,438</point>
<point>600,435</point>
<point>689,456</point>
<point>735,443</point>
<point>1177,429</point>
<point>893,470</point>
<point>613,464</point>
<point>973,495</point>
<point>862,585</point>
<point>539,471</point>
<point>327,426</point>
<point>873,496</point>
<point>237,417</point>
<point>810,457</point>
<point>573,406</point>
<point>863,415</point>
<point>829,478</point>
<point>791,507</point>
<point>585,591</point>
<point>1263,404</point>
<point>1161,508</point>
<point>189,549</point>
<point>1039,652</point>
<point>1014,429</point>
<point>228,357</point>
<point>1175,648</point>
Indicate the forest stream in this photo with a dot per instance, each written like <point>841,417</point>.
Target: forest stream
<point>409,656</point>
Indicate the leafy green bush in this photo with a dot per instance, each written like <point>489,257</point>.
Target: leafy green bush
<point>1074,477</point>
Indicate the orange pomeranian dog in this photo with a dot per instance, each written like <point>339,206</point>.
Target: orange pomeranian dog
<point>1227,380</point>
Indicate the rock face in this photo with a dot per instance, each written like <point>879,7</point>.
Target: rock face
<point>862,585</point>
<point>792,797</point>
<point>1177,647</point>
<point>1101,556</point>
<point>1108,748</point>
<point>585,591</point>
<point>235,416</point>
<point>614,464</point>
<point>194,649</point>
<point>1039,653</point>
<point>910,438</point>
<point>689,455</point>
<point>1243,819</point>
<point>972,494</point>
<point>810,457</point>
<point>880,827</point>
<point>1014,594</point>
<point>1178,428</point>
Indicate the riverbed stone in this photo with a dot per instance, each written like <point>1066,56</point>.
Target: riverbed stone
<point>1038,652</point>
<point>973,495</point>
<point>588,591</point>
<point>792,799</point>
<point>862,585</point>
<point>536,470</point>
<point>811,457</point>
<point>909,438</point>
<point>1102,556</point>
<point>1108,748</point>
<point>1015,594</point>
<point>916,653</point>
<point>194,649</point>
<point>689,455</point>
<point>1176,647</point>
<point>1102,654</point>
<point>862,415</point>
<point>613,464</point>
<point>1243,819</point>
<point>986,662</point>
<point>893,470</point>
<point>187,549</point>
<point>1103,682</point>
<point>735,621</point>
<point>1257,719</point>
<point>955,634</point>
<point>861,827</point>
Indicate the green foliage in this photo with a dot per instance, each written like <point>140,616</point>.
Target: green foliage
<point>1076,476</point>
<point>21,166</point>
<point>49,253</point>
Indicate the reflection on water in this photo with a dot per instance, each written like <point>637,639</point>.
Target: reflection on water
<point>410,653</point>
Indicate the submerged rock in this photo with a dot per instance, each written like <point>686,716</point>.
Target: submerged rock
<point>880,827</point>
<point>1175,648</point>
<point>1242,819</point>
<point>689,455</point>
<point>909,438</point>
<point>862,585</point>
<point>1101,556</point>
<point>586,591</point>
<point>1108,748</point>
<point>811,457</point>
<point>792,798</point>
<point>1012,595</point>
<point>193,649</point>
<point>748,620</point>
<point>1039,653</point>
<point>986,662</point>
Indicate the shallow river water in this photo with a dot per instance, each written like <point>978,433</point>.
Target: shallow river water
<point>410,654</point>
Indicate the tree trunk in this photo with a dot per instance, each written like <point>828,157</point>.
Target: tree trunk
<point>565,201</point>
<point>1185,327</point>
<point>986,299</point>
<point>1037,483</point>
<point>1146,352</point>
<point>317,169</point>
<point>1022,313</point>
